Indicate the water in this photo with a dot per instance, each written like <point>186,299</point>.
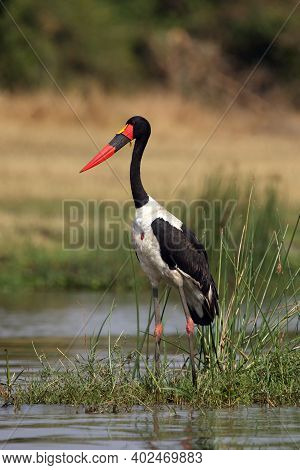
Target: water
<point>64,320</point>
<point>61,427</point>
<point>69,314</point>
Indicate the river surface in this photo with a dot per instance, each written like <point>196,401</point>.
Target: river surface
<point>64,321</point>
<point>62,427</point>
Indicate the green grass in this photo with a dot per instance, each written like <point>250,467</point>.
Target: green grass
<point>249,355</point>
<point>108,385</point>
<point>35,259</point>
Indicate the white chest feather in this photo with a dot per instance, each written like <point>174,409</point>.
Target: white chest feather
<point>146,245</point>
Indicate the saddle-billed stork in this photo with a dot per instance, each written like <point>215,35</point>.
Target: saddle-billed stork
<point>166,249</point>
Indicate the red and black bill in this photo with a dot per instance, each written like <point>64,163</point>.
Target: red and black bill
<point>122,138</point>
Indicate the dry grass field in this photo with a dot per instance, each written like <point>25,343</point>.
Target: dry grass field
<point>44,145</point>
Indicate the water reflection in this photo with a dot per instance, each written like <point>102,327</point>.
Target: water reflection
<point>58,427</point>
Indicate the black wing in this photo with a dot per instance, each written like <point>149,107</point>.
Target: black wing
<point>181,249</point>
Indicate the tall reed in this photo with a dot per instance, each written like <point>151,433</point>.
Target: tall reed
<point>260,308</point>
<point>257,285</point>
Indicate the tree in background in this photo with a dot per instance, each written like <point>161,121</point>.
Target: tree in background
<point>196,47</point>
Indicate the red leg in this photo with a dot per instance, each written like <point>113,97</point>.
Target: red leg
<point>189,326</point>
<point>158,330</point>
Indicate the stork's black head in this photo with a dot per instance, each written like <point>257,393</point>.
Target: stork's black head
<point>141,127</point>
<point>136,127</point>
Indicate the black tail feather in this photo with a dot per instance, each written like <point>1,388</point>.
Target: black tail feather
<point>210,308</point>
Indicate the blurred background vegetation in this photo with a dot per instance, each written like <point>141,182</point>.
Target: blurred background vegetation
<point>201,47</point>
<point>179,63</point>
